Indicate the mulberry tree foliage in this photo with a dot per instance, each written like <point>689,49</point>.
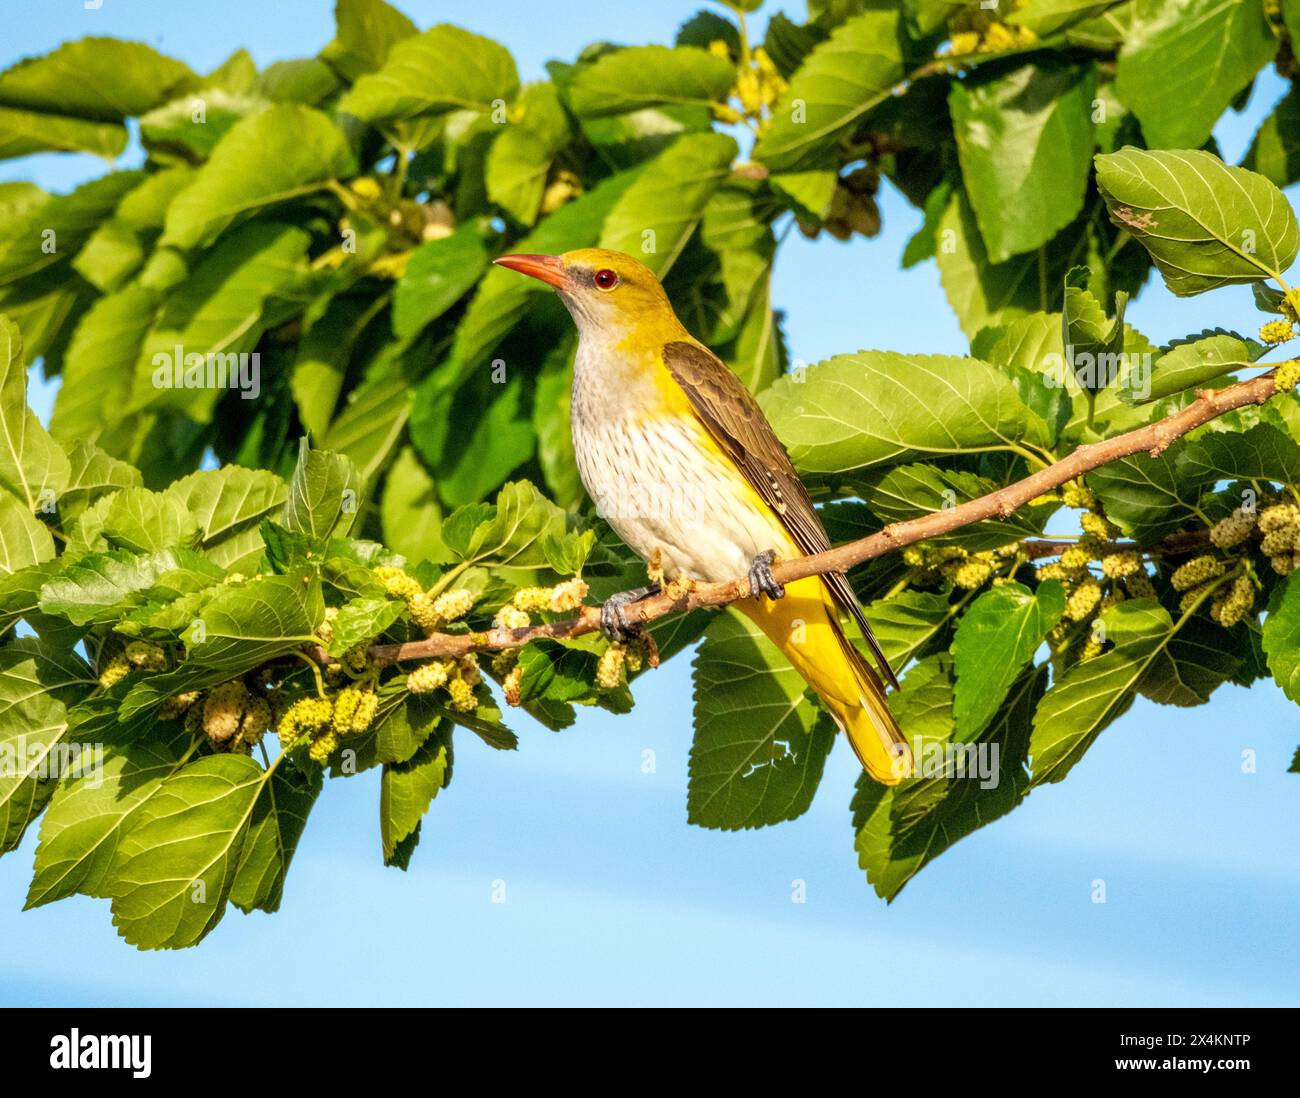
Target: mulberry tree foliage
<point>200,585</point>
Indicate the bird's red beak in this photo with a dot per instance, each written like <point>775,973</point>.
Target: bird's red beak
<point>546,268</point>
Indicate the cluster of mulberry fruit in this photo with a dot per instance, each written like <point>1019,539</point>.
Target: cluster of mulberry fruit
<point>1280,527</point>
<point>979,30</point>
<point>457,677</point>
<point>960,567</point>
<point>323,723</point>
<point>431,613</point>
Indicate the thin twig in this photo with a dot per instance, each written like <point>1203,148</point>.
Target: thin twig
<point>1154,439</point>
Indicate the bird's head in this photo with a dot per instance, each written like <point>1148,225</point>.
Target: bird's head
<point>605,292</point>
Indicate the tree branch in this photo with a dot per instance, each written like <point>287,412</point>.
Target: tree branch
<point>1154,439</point>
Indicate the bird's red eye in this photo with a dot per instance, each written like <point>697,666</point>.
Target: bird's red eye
<point>606,279</point>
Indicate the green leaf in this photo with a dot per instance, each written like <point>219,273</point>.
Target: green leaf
<point>521,157</point>
<point>367,32</point>
<point>1184,61</point>
<point>279,819</point>
<point>650,76</point>
<point>56,230</point>
<point>1147,498</point>
<point>1191,667</point>
<point>194,125</point>
<point>443,69</point>
<point>512,533</point>
<point>1087,334</point>
<point>408,788</point>
<point>101,587</point>
<point>956,791</point>
<point>1091,694</point>
<point>241,627</point>
<point>298,149</point>
<point>983,293</point>
<point>1045,17</point>
<point>322,494</point>
<point>1025,142</point>
<point>191,355</point>
<point>1205,224</point>
<point>200,817</point>
<point>32,465</point>
<point>1260,453</point>
<point>760,746</point>
<point>907,491</point>
<point>37,682</point>
<point>76,98</point>
<point>147,522</point>
<point>873,407</point>
<point>24,539</point>
<point>994,640</point>
<point>657,214</point>
<point>439,274</point>
<point>409,510</point>
<point>95,78</point>
<point>83,825</point>
<point>841,80</point>
<point>906,623</point>
<point>100,363</point>
<point>360,619</point>
<point>1275,151</point>
<point>1282,636</point>
<point>226,503</point>
<point>1191,364</point>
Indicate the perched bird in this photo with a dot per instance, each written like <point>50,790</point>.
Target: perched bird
<point>682,463</point>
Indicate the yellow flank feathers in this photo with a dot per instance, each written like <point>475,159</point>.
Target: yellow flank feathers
<point>806,628</point>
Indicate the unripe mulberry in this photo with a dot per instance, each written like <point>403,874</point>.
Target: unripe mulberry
<point>428,677</point>
<point>323,747</point>
<point>1076,494</point>
<point>256,720</point>
<point>325,631</point>
<point>398,583</point>
<point>1287,376</point>
<point>149,656</point>
<point>1278,541</point>
<point>451,605</point>
<point>510,685</point>
<point>462,695</point>
<point>532,599</point>
<point>568,595</point>
<point>114,671</point>
<point>511,617</point>
<point>177,705</point>
<point>1285,563</point>
<point>223,709</point>
<point>1075,558</point>
<point>1234,604</point>
<point>1052,571</point>
<point>609,671</point>
<point>1097,525</point>
<point>1127,563</point>
<point>1090,651</point>
<point>1196,571</point>
<point>303,718</point>
<point>914,556</point>
<point>1083,600</point>
<point>972,573</point>
<point>1139,586</point>
<point>423,612</point>
<point>1276,331</point>
<point>1233,530</point>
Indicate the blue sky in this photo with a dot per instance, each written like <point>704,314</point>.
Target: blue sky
<point>611,898</point>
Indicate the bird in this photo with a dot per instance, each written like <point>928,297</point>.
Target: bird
<point>680,460</point>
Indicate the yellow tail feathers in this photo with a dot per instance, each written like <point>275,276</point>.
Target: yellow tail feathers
<point>806,627</point>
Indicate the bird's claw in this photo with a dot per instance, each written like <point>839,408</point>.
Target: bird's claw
<point>761,580</point>
<point>613,614</point>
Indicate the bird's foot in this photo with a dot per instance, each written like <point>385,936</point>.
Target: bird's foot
<point>761,580</point>
<point>613,614</point>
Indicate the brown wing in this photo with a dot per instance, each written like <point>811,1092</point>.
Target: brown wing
<point>738,425</point>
